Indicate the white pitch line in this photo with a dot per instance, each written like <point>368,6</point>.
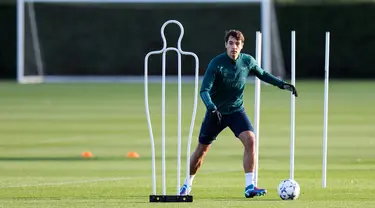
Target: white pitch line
<point>72,182</point>
<point>60,139</point>
<point>98,180</point>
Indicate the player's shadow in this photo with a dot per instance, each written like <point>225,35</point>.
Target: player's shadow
<point>247,200</point>
<point>145,200</point>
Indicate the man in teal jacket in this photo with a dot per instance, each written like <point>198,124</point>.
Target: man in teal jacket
<point>222,93</point>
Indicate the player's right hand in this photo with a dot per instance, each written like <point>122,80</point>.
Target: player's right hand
<point>217,115</point>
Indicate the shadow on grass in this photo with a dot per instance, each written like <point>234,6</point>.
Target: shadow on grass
<point>78,158</point>
<point>247,200</point>
<point>145,200</point>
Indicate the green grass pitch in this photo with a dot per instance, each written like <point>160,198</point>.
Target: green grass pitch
<point>44,129</point>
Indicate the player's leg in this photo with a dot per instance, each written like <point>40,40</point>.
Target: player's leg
<point>197,157</point>
<point>208,133</point>
<point>196,161</point>
<point>248,140</point>
<point>242,129</point>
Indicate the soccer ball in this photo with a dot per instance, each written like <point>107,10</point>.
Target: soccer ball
<point>288,189</point>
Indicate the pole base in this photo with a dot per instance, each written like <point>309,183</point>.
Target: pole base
<point>171,198</point>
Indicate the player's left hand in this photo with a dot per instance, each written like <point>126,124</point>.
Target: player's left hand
<point>218,116</point>
<point>291,88</point>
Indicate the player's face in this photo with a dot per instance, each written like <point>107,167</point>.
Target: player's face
<point>233,47</point>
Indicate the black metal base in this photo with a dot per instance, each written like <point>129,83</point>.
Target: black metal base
<point>171,198</point>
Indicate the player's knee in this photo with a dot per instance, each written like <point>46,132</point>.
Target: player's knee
<point>251,139</point>
<point>202,149</point>
<point>248,139</point>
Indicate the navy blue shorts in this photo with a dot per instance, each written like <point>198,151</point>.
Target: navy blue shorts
<point>237,122</point>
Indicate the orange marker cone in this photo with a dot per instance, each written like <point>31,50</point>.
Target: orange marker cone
<point>87,155</point>
<point>132,155</point>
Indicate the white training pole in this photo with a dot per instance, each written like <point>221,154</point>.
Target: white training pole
<point>325,127</point>
<point>179,125</point>
<point>20,40</point>
<point>258,57</point>
<point>163,172</point>
<point>292,106</point>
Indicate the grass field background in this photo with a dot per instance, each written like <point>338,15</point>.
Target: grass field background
<point>44,128</point>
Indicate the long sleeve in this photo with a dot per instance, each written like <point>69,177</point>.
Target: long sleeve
<point>208,80</point>
<point>265,76</point>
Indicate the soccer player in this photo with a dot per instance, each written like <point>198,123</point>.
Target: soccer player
<point>222,93</point>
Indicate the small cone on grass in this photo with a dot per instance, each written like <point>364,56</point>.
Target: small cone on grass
<point>87,155</point>
<point>132,155</point>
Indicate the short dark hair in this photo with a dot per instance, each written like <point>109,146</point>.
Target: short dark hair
<point>234,33</point>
